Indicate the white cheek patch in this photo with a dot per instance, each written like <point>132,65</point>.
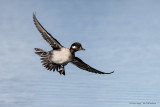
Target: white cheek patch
<point>74,47</point>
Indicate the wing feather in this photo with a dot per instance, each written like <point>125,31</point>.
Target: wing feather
<point>82,65</point>
<point>48,37</point>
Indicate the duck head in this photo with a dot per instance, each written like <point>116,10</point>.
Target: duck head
<point>76,47</point>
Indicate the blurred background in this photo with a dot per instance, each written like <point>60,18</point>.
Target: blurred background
<point>120,35</point>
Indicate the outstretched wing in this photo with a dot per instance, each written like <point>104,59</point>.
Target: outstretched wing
<point>79,63</point>
<point>48,37</point>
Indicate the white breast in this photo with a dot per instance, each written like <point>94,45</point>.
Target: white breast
<point>62,56</point>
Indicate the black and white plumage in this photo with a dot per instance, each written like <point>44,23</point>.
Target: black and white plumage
<point>60,56</point>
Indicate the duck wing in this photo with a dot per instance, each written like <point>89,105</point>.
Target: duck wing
<point>82,65</point>
<point>47,36</point>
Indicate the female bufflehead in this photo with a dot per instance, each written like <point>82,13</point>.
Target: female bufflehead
<point>60,56</point>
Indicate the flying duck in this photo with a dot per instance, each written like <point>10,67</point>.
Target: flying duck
<point>60,56</point>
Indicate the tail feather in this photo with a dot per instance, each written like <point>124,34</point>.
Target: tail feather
<point>40,52</point>
<point>49,65</point>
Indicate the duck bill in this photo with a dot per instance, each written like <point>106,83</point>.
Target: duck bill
<point>82,49</point>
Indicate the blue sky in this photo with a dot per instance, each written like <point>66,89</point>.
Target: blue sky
<point>120,35</point>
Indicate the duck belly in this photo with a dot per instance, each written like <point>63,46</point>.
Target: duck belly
<point>62,56</point>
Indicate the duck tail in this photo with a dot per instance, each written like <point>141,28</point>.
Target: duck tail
<point>40,52</point>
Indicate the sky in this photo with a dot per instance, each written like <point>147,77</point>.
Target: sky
<point>120,35</point>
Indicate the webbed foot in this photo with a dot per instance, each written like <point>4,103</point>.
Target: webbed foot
<point>62,71</point>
